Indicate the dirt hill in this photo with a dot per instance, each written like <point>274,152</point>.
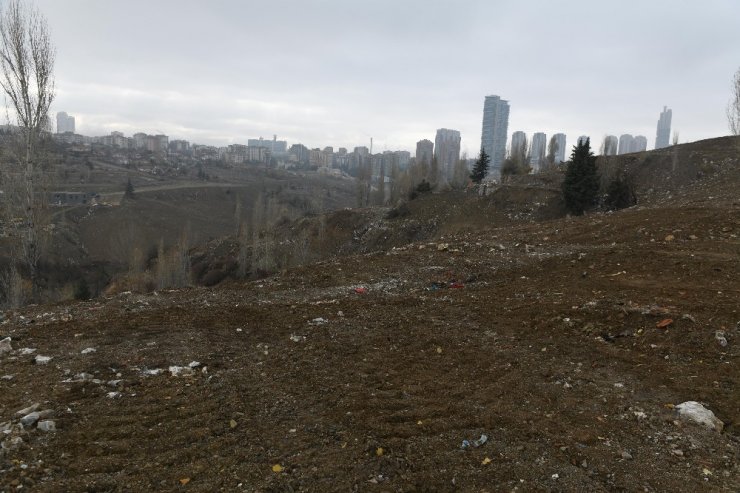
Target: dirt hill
<point>521,354</point>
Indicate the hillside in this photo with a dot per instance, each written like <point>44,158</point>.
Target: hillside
<point>382,366</point>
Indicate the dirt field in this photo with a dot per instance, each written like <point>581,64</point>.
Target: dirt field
<point>542,336</point>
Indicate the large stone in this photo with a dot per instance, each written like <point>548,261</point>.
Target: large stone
<point>5,346</point>
<point>30,418</point>
<point>693,411</point>
<point>47,425</point>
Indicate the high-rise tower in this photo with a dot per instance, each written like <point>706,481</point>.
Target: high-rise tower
<point>495,128</point>
<point>663,135</point>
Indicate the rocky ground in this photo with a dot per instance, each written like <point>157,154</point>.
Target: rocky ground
<point>535,356</point>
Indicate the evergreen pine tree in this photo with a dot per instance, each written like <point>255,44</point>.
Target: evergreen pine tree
<point>129,193</point>
<point>480,170</point>
<point>581,184</point>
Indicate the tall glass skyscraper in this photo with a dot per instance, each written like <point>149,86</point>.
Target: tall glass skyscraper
<point>663,135</point>
<point>495,128</point>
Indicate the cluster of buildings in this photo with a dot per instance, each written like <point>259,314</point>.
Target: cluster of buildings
<point>444,152</point>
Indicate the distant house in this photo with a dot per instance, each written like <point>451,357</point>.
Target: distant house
<point>73,198</point>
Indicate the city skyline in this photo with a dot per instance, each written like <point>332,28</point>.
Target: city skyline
<point>204,89</point>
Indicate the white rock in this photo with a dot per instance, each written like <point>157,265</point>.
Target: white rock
<point>693,411</point>
<point>5,346</point>
<point>47,425</point>
<point>28,409</point>
<point>113,395</point>
<point>27,350</point>
<point>88,350</point>
<point>194,364</point>
<point>721,339</point>
<point>42,360</point>
<point>180,371</point>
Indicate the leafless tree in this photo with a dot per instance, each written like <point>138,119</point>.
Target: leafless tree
<point>674,154</point>
<point>27,78</point>
<point>733,106</point>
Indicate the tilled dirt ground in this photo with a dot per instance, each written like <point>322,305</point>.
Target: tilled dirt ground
<point>542,337</point>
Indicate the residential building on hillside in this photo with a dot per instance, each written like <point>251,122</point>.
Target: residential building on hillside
<point>447,152</point>
<point>640,144</point>
<point>518,139</point>
<point>626,144</point>
<point>424,152</point>
<point>560,151</point>
<point>610,145</point>
<point>663,135</point>
<point>494,131</point>
<point>65,123</point>
<point>538,151</point>
<point>274,146</point>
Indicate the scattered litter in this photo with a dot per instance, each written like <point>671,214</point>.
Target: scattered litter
<point>475,443</point>
<point>360,290</point>
<point>7,377</point>
<point>113,395</point>
<point>456,285</point>
<point>296,338</point>
<point>88,350</point>
<point>688,317</point>
<point>277,468</point>
<point>42,360</point>
<point>27,350</point>
<point>184,481</point>
<point>442,247</point>
<point>318,321</point>
<point>693,411</point>
<point>152,372</point>
<point>379,451</point>
<point>232,423</point>
<point>486,461</point>
<point>664,323</point>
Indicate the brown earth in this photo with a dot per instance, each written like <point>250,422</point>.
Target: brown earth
<point>548,344</point>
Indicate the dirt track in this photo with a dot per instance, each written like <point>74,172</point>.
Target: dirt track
<point>550,349</point>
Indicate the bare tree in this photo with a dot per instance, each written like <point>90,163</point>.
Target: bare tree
<point>674,154</point>
<point>27,78</point>
<point>733,106</point>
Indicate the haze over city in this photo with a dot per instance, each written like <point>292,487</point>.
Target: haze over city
<point>337,73</point>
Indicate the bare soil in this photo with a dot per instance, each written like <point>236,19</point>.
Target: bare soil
<point>540,334</point>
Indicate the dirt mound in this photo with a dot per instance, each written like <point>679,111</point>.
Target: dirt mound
<point>518,355</point>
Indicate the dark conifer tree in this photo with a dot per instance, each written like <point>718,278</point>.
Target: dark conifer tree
<point>581,184</point>
<point>480,170</point>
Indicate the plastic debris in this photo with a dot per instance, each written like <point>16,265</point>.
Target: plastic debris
<point>379,451</point>
<point>88,350</point>
<point>277,468</point>
<point>693,411</point>
<point>486,461</point>
<point>475,443</point>
<point>296,338</point>
<point>42,360</point>
<point>360,290</point>
<point>184,481</point>
<point>664,323</point>
<point>318,321</point>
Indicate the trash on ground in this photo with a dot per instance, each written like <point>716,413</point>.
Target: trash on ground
<point>664,323</point>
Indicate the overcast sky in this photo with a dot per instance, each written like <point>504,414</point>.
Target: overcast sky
<point>337,72</point>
